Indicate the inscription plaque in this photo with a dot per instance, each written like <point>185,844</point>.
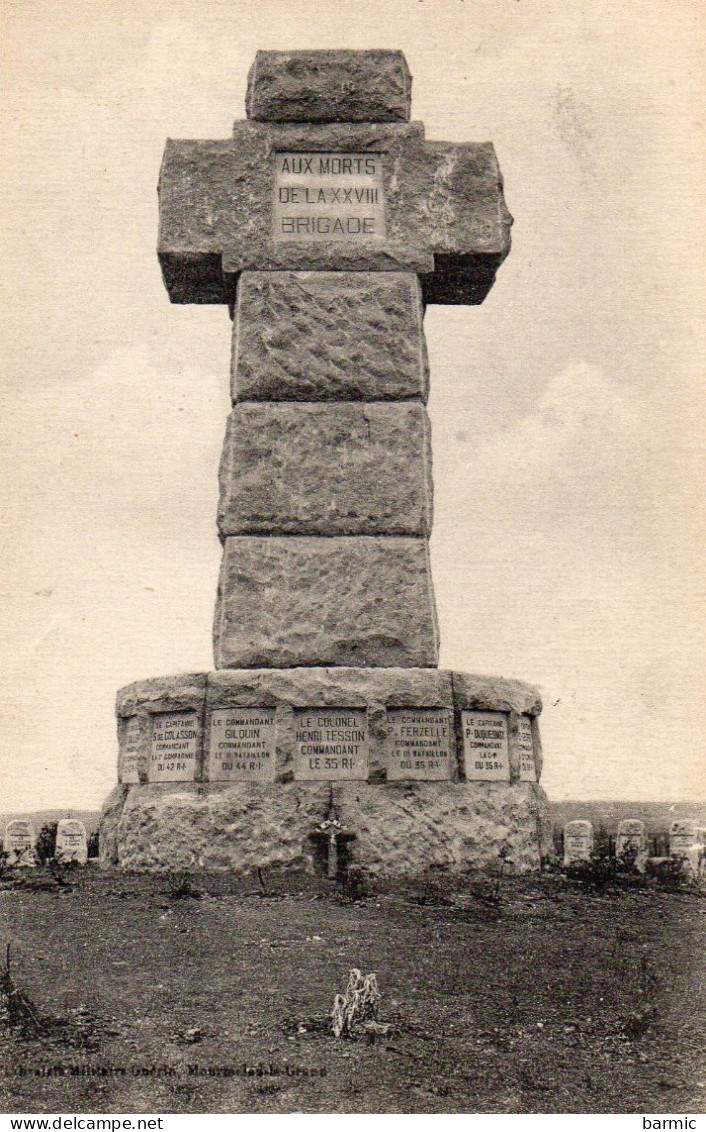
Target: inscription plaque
<point>525,744</point>
<point>242,747</point>
<point>173,750</point>
<point>485,746</point>
<point>419,744</point>
<point>328,196</point>
<point>131,751</point>
<point>330,743</point>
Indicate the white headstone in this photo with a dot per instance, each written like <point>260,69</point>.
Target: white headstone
<point>330,743</point>
<point>18,843</point>
<point>420,742</point>
<point>71,841</point>
<point>485,746</point>
<point>686,841</point>
<point>173,748</point>
<point>525,743</point>
<point>578,841</point>
<point>242,745</point>
<point>631,838</point>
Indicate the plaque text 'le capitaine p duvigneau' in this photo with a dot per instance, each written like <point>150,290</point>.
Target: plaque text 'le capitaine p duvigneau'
<point>328,196</point>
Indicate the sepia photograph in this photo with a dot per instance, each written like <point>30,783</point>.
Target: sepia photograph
<point>353,473</point>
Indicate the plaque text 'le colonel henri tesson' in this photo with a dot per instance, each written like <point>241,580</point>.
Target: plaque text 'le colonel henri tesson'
<point>328,196</point>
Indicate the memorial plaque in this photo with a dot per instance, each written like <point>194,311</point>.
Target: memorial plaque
<point>419,744</point>
<point>330,743</point>
<point>71,841</point>
<point>525,744</point>
<point>242,747</point>
<point>328,196</point>
<point>173,750</point>
<point>578,841</point>
<point>18,842</point>
<point>485,746</point>
<point>131,751</point>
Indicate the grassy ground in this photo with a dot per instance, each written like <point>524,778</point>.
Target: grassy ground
<point>552,1000</point>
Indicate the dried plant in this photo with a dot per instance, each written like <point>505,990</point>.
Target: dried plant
<point>356,1006</point>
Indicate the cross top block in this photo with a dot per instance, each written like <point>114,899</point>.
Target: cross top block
<point>328,175</point>
<point>329,86</point>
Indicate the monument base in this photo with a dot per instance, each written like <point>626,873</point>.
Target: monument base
<point>398,828</point>
<point>239,769</point>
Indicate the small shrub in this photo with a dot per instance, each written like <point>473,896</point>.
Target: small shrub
<point>16,1007</point>
<point>648,975</point>
<point>595,874</point>
<point>638,1022</point>
<point>626,861</point>
<point>426,893</point>
<point>60,869</point>
<point>46,842</point>
<point>181,886</point>
<point>552,863</point>
<point>356,884</point>
<point>673,874</point>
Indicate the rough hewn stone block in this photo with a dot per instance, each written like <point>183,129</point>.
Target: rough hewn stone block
<point>326,470</point>
<point>495,693</point>
<point>329,687</point>
<point>329,86</point>
<point>402,828</point>
<point>362,601</point>
<point>184,692</point>
<point>108,846</point>
<point>329,336</point>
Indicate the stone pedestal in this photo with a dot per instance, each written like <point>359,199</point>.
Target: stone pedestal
<point>326,235</point>
<point>427,767</point>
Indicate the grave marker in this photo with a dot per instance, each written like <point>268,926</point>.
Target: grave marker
<point>687,842</point>
<point>578,842</point>
<point>19,842</point>
<point>333,832</point>
<point>71,841</point>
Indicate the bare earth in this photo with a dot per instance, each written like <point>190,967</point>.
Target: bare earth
<point>552,1000</point>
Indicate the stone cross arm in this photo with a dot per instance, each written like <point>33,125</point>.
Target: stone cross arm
<point>440,211</point>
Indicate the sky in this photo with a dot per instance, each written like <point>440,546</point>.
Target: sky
<point>567,411</point>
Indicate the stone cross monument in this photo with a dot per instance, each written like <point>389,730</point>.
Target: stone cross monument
<point>326,224</point>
